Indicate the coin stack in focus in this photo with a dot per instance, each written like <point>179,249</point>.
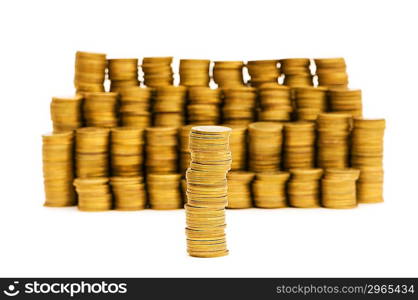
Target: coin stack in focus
<point>135,104</point>
<point>161,150</point>
<point>310,102</point>
<point>239,105</point>
<point>299,145</point>
<point>123,73</point>
<point>94,194</point>
<point>239,189</point>
<point>275,103</point>
<point>129,193</point>
<point>207,191</point>
<point>269,189</point>
<point>90,70</point>
<point>101,109</point>
<point>203,106</point>
<point>263,71</point>
<point>304,188</point>
<point>164,191</point>
<point>228,73</point>
<point>184,155</point>
<point>169,106</point>
<point>194,72</point>
<point>296,72</point>
<point>331,72</point>
<point>157,71</point>
<point>66,113</point>
<point>57,157</point>
<point>339,188</point>
<point>346,101</point>
<point>238,145</point>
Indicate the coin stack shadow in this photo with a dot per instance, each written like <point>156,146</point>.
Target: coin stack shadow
<point>296,72</point>
<point>90,71</point>
<point>169,106</point>
<point>339,188</point>
<point>135,107</point>
<point>194,72</point>
<point>331,72</point>
<point>203,106</point>
<point>239,104</point>
<point>275,103</point>
<point>263,71</point>
<point>123,73</point>
<point>310,102</point>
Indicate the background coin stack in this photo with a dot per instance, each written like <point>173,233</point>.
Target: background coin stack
<point>161,150</point>
<point>194,72</point>
<point>157,71</point>
<point>184,155</point>
<point>164,191</point>
<point>263,71</point>
<point>239,105</point>
<point>238,145</point>
<point>346,101</point>
<point>296,72</point>
<point>269,189</point>
<point>90,70</point>
<point>203,107</point>
<point>207,191</point>
<point>169,106</point>
<point>94,194</point>
<point>339,188</point>
<point>299,145</point>
<point>275,103</point>
<point>239,189</point>
<point>129,193</point>
<point>228,73</point>
<point>304,188</point>
<point>135,104</point>
<point>331,72</point>
<point>66,113</point>
<point>310,102</point>
<point>123,73</point>
<point>101,109</point>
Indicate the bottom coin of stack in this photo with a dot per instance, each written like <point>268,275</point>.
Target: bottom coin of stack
<point>93,194</point>
<point>239,189</point>
<point>129,193</point>
<point>304,188</point>
<point>339,188</point>
<point>164,191</point>
<point>269,189</point>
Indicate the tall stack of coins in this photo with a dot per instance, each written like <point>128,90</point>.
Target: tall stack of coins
<point>228,73</point>
<point>161,150</point>
<point>57,156</point>
<point>346,101</point>
<point>333,140</point>
<point>203,106</point>
<point>269,189</point>
<point>127,151</point>
<point>194,72</point>
<point>129,193</point>
<point>263,71</point>
<point>239,105</point>
<point>265,146</point>
<point>90,70</point>
<point>168,106</point>
<point>367,156</point>
<point>296,72</point>
<point>135,104</point>
<point>310,102</point>
<point>304,188</point>
<point>164,191</point>
<point>331,72</point>
<point>94,194</point>
<point>275,103</point>
<point>184,155</point>
<point>239,189</point>
<point>157,71</point>
<point>101,109</point>
<point>238,144</point>
<point>123,73</point>
<point>92,152</point>
<point>339,188</point>
<point>66,113</point>
<point>299,145</point>
<point>207,191</point>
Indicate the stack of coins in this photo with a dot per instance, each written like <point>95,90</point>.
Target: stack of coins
<point>94,194</point>
<point>304,188</point>
<point>275,103</point>
<point>168,106</point>
<point>299,145</point>
<point>346,101</point>
<point>269,189</point>
<point>207,191</point>
<point>238,144</point>
<point>310,102</point>
<point>135,103</point>
<point>161,150</point>
<point>129,193</point>
<point>184,155</point>
<point>367,156</point>
<point>331,72</point>
<point>92,152</point>
<point>239,189</point>
<point>157,71</point>
<point>203,106</point>
<point>239,105</point>
<point>66,113</point>
<point>127,151</point>
<point>263,71</point>
<point>339,188</point>
<point>296,72</point>
<point>228,73</point>
<point>194,72</point>
<point>57,156</point>
<point>123,73</point>
<point>164,191</point>
<point>333,140</point>
<point>265,146</point>
<point>101,109</point>
<point>90,69</point>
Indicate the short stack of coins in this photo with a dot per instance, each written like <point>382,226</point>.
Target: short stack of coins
<point>346,101</point>
<point>275,103</point>
<point>228,73</point>
<point>331,72</point>
<point>129,193</point>
<point>57,156</point>
<point>161,150</point>
<point>157,71</point>
<point>263,71</point>
<point>296,72</point>
<point>164,191</point>
<point>135,107</point>
<point>94,194</point>
<point>265,146</point>
<point>101,109</point>
<point>90,70</point>
<point>367,156</point>
<point>269,189</point>
<point>207,191</point>
<point>310,102</point>
<point>66,113</point>
<point>339,188</point>
<point>203,107</point>
<point>239,105</point>
<point>127,151</point>
<point>184,155</point>
<point>304,188</point>
<point>123,73</point>
<point>299,145</point>
<point>239,189</point>
<point>194,72</point>
<point>169,106</point>
<point>238,145</point>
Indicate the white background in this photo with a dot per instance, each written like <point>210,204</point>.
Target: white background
<point>38,42</point>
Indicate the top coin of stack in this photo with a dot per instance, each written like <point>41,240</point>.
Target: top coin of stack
<point>228,73</point>
<point>331,72</point>
<point>203,106</point>
<point>123,72</point>
<point>275,103</point>
<point>346,101</point>
<point>239,105</point>
<point>263,71</point>
<point>296,72</point>
<point>339,188</point>
<point>194,72</point>
<point>310,102</point>
<point>66,113</point>
<point>90,69</point>
<point>135,104</point>
<point>157,71</point>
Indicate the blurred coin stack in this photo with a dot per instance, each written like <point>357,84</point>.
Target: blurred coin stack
<point>66,113</point>
<point>57,156</point>
<point>367,156</point>
<point>239,104</point>
<point>339,188</point>
<point>239,189</point>
<point>123,73</point>
<point>161,150</point>
<point>101,109</point>
<point>184,155</point>
<point>263,71</point>
<point>228,73</point>
<point>275,103</point>
<point>331,72</point>
<point>269,189</point>
<point>203,107</point>
<point>127,151</point>
<point>304,188</point>
<point>296,72</point>
<point>194,72</point>
<point>169,106</point>
<point>299,145</point>
<point>238,145</point>
<point>92,152</point>
<point>164,191</point>
<point>207,191</point>
<point>333,140</point>
<point>346,101</point>
<point>129,193</point>
<point>90,70</point>
<point>310,102</point>
<point>135,104</point>
<point>94,194</point>
<point>157,71</point>
<point>265,146</point>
